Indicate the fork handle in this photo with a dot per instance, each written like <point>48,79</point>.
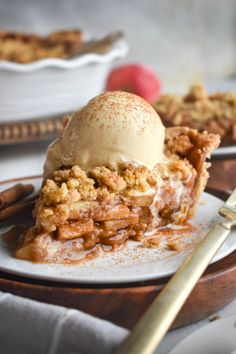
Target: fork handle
<point>154,324</point>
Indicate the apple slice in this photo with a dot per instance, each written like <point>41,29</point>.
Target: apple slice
<point>137,79</point>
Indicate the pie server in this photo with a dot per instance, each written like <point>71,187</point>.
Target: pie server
<point>154,324</point>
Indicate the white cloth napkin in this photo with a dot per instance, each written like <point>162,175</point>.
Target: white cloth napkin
<point>31,327</point>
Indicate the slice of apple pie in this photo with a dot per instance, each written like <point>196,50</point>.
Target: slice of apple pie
<point>88,205</point>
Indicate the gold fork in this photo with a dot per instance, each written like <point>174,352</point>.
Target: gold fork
<point>154,324</point>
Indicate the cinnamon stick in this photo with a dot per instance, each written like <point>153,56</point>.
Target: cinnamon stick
<point>17,209</point>
<point>14,194</point>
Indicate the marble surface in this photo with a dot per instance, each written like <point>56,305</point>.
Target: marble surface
<point>22,160</point>
<point>177,335</point>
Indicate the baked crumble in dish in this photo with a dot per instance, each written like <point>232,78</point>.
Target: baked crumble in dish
<point>25,48</point>
<point>215,113</point>
<point>82,212</point>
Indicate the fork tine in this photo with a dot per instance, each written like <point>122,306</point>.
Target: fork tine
<point>228,209</point>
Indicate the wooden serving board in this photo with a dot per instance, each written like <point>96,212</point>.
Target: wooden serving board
<point>41,129</point>
<point>124,304</point>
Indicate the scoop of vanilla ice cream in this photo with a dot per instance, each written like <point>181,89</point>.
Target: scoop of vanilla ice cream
<point>113,126</point>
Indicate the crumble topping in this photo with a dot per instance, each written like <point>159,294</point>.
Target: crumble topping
<point>110,179</point>
<point>25,48</point>
<point>215,113</point>
<point>137,177</point>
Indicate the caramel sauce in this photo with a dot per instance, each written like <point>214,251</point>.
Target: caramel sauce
<point>173,230</point>
<point>74,253</point>
<point>90,255</point>
<point>172,234</point>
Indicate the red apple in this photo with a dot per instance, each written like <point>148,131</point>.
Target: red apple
<point>137,79</point>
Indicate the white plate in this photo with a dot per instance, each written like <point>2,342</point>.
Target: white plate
<point>218,337</point>
<point>225,151</point>
<point>131,264</point>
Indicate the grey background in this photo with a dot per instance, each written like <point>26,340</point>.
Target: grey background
<point>182,40</point>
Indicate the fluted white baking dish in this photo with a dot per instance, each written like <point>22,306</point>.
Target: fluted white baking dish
<point>54,86</point>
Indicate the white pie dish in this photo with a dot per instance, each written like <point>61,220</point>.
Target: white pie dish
<point>54,86</point>
<point>224,152</point>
